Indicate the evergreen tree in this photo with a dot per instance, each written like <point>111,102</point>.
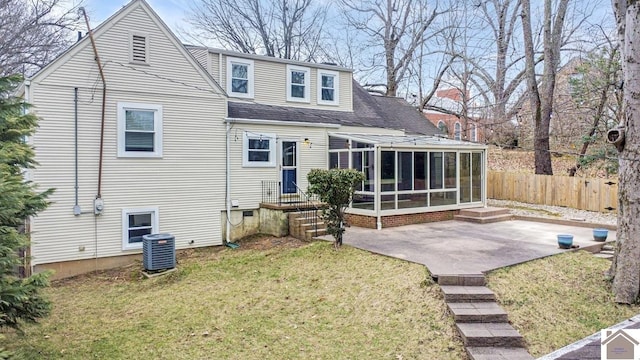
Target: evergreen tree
<point>20,298</point>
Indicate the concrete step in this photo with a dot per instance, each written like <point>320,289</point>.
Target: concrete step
<point>488,312</point>
<point>500,334</point>
<point>608,252</point>
<point>462,280</point>
<point>498,353</point>
<point>484,212</point>
<point>604,256</point>
<point>483,220</point>
<point>310,234</point>
<point>457,294</point>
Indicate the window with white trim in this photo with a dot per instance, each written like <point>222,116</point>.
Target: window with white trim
<point>139,130</point>
<point>443,127</point>
<point>139,48</point>
<point>457,131</point>
<point>298,83</point>
<point>136,223</point>
<point>259,150</point>
<point>240,78</point>
<point>328,87</point>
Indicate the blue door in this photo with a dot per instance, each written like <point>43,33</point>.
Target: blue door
<point>289,167</point>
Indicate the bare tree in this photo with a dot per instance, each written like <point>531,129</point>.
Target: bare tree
<point>626,265</point>
<point>398,28</point>
<point>289,29</point>
<point>541,96</point>
<point>32,33</point>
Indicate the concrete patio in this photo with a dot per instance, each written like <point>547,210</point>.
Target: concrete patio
<point>455,247</point>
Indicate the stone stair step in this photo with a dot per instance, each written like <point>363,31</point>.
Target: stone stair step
<point>608,252</point>
<point>310,234</point>
<point>483,220</point>
<point>607,247</point>
<point>498,353</point>
<point>462,280</point>
<point>604,256</point>
<point>488,312</point>
<point>500,334</point>
<point>484,212</point>
<point>457,294</point>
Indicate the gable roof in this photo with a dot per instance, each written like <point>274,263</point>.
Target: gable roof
<point>617,334</point>
<point>107,24</point>
<point>368,110</point>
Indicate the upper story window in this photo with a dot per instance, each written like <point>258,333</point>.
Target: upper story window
<point>443,127</point>
<point>457,131</point>
<point>298,83</point>
<point>259,150</point>
<point>240,77</point>
<point>139,130</point>
<point>328,87</point>
<point>474,132</point>
<point>139,47</point>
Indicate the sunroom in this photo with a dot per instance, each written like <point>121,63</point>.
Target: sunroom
<point>410,179</point>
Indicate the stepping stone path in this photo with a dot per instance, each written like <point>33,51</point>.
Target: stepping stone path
<point>481,322</point>
<point>606,252</point>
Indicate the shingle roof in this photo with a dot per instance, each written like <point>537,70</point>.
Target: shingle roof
<point>368,110</point>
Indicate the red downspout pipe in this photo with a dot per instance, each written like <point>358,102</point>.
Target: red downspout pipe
<point>104,100</point>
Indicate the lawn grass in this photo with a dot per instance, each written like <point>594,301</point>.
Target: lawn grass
<point>311,302</point>
<point>558,300</point>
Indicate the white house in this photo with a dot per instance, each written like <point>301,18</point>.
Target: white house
<point>175,138</point>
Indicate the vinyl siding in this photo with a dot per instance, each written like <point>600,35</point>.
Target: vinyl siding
<point>246,181</point>
<point>271,85</point>
<point>187,184</point>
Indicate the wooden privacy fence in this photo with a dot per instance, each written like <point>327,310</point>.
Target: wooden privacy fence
<point>574,192</point>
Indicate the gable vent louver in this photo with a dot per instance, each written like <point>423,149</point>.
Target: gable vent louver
<point>139,48</point>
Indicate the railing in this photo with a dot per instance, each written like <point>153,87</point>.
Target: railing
<point>272,192</point>
<point>306,204</point>
<point>308,207</point>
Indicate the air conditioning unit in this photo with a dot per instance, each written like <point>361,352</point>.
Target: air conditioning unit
<point>158,252</point>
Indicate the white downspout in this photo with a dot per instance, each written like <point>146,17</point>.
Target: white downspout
<point>227,184</point>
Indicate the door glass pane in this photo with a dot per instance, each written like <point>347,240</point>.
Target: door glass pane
<point>465,177</point>
<point>435,170</point>
<point>476,177</point>
<point>288,153</point>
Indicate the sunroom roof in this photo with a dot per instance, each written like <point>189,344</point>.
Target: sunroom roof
<point>408,140</point>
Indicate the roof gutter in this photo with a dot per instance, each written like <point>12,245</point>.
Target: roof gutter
<point>280,122</point>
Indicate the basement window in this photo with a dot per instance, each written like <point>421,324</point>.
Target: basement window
<point>135,224</point>
<point>139,49</point>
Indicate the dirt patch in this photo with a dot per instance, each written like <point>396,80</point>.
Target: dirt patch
<point>268,242</point>
<point>133,271</point>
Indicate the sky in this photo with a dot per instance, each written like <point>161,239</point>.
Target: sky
<point>172,12</point>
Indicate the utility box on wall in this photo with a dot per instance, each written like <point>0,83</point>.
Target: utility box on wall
<point>158,251</point>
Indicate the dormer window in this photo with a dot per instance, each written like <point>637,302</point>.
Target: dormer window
<point>327,87</point>
<point>298,83</point>
<point>139,49</point>
<point>240,77</point>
